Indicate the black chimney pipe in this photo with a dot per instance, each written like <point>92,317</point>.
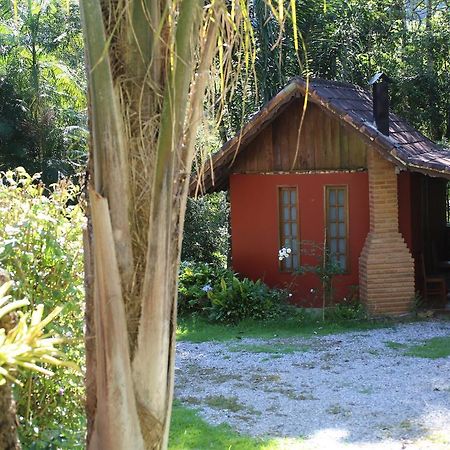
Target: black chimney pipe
<point>380,92</point>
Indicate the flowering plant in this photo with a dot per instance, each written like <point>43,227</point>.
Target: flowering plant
<point>284,253</point>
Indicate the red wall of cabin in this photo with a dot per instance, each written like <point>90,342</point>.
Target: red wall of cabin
<point>255,228</point>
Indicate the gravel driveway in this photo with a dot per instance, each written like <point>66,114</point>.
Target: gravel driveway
<point>353,390</point>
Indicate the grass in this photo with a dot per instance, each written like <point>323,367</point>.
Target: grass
<point>438,347</point>
<point>189,431</point>
<point>197,329</point>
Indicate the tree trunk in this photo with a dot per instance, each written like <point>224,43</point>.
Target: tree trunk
<point>142,94</point>
<point>148,65</point>
<point>8,421</point>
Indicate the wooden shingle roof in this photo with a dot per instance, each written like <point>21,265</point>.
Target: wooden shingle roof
<point>406,147</point>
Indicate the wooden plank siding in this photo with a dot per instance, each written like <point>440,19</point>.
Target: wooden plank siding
<point>325,144</point>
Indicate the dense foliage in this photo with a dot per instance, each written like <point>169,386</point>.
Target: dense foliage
<point>42,87</point>
<point>41,249</point>
<point>222,296</point>
<point>206,233</point>
<point>350,41</point>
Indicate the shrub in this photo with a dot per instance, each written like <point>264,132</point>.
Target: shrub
<point>218,293</point>
<point>347,310</point>
<point>194,282</point>
<point>235,300</point>
<point>41,248</point>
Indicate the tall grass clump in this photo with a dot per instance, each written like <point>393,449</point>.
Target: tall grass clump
<point>41,250</point>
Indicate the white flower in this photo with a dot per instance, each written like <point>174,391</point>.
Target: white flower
<point>284,253</point>
<point>207,288</point>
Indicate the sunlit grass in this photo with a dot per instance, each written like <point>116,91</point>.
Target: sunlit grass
<point>437,347</point>
<point>189,431</point>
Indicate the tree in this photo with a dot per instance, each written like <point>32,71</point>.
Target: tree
<point>350,41</point>
<point>149,64</point>
<point>42,118</point>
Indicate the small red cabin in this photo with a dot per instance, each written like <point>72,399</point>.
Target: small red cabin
<point>302,174</point>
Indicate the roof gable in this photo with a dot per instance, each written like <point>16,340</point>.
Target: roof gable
<point>406,147</point>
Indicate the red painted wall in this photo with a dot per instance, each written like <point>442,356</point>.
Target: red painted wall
<point>255,228</point>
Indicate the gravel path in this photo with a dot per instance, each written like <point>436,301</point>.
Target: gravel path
<point>351,390</point>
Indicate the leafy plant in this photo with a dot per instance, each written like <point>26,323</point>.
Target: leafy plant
<point>41,249</point>
<point>195,280</point>
<point>235,300</point>
<point>346,311</point>
<point>25,346</point>
<point>218,293</point>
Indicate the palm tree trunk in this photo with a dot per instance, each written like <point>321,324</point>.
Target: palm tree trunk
<point>141,155</point>
<point>149,63</point>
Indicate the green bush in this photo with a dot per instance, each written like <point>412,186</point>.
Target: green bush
<point>205,238</point>
<point>194,282</point>
<point>235,300</point>
<point>345,311</point>
<point>41,248</point>
<point>218,293</point>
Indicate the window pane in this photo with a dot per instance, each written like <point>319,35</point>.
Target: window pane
<point>333,230</point>
<point>332,217</point>
<point>293,213</point>
<point>336,221</point>
<point>288,226</point>
<point>333,245</point>
<point>294,246</point>
<point>332,198</point>
<point>288,262</point>
<point>294,229</point>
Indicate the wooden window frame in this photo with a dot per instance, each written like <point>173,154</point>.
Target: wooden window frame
<point>327,187</point>
<point>281,222</point>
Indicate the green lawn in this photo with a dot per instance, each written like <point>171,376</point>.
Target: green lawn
<point>438,347</point>
<point>200,330</point>
<point>189,431</point>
